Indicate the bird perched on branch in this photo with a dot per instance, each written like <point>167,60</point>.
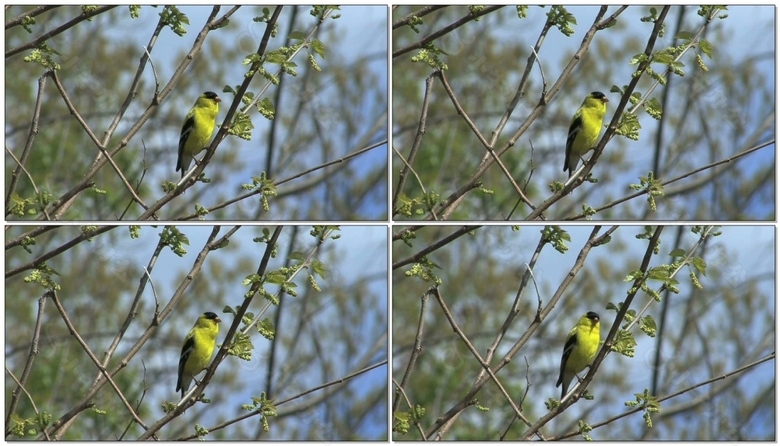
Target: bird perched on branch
<point>580,349</point>
<point>197,129</point>
<point>197,349</point>
<point>584,129</point>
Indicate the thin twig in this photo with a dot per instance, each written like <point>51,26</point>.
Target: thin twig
<point>421,129</point>
<point>416,350</point>
<point>400,389</point>
<point>33,353</point>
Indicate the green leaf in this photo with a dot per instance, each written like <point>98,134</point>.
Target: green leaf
<point>318,47</point>
<point>647,324</point>
<point>684,35</point>
<point>706,47</point>
<point>624,343</point>
<point>654,109</point>
<point>319,268</point>
<point>700,265</point>
<point>677,253</point>
<point>275,277</point>
<point>297,255</point>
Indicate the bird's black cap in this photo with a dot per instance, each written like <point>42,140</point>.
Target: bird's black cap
<point>592,315</point>
<point>600,96</point>
<point>213,316</point>
<point>213,96</point>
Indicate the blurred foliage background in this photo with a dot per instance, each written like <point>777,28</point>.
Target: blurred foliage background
<point>320,336</point>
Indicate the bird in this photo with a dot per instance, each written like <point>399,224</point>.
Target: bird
<point>584,129</point>
<point>197,129</point>
<point>197,349</point>
<point>580,349</point>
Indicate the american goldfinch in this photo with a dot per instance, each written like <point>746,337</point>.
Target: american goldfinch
<point>197,129</point>
<point>580,349</point>
<point>584,129</point>
<point>197,349</point>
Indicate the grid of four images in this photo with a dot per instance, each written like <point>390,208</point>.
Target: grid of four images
<point>390,223</point>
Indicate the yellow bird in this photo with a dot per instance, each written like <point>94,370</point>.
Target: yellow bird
<point>580,349</point>
<point>197,129</point>
<point>585,129</point>
<point>197,349</point>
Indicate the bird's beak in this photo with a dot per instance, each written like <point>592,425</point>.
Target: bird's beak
<point>218,320</point>
<point>217,99</point>
<point>604,100</point>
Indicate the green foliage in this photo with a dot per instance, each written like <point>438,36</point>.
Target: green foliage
<point>407,237</point>
<point>27,22</point>
<point>407,206</point>
<point>584,428</point>
<point>652,186</point>
<point>42,274</point>
<point>266,109</point>
<point>29,206</point>
<point>241,347</point>
<point>562,19</point>
<point>173,238</point>
<point>557,237</point>
<point>26,243</point>
<point>420,205</point>
<point>168,406</point>
<point>321,232</point>
<point>319,11</point>
<point>652,17</point>
<point>423,269</point>
<point>264,407</point>
<point>414,22</point>
<point>648,326</point>
<point>624,343</point>
<point>241,126</point>
<point>588,211</point>
<point>664,274</point>
<point>647,234</point>
<point>174,19</point>
<point>649,405</point>
<point>201,432</point>
<point>201,212</point>
<point>403,420</point>
<point>266,329</point>
<point>711,11</point>
<point>429,55</point>
<point>263,18</point>
<point>29,427</point>
<point>43,55</point>
<point>88,230</point>
<point>653,108</point>
<point>265,186</point>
